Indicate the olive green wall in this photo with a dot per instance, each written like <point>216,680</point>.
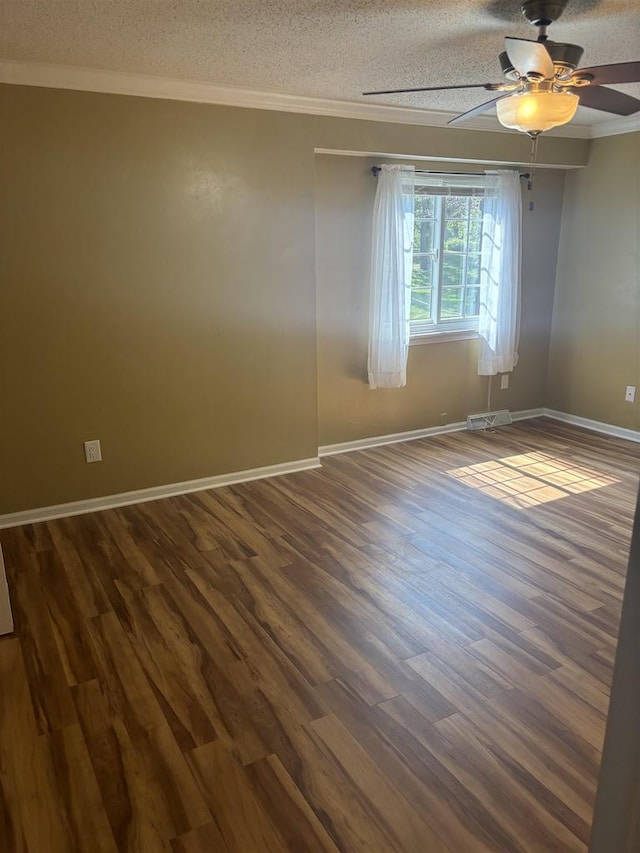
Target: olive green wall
<point>443,385</point>
<point>595,351</point>
<point>158,278</point>
<point>157,287</point>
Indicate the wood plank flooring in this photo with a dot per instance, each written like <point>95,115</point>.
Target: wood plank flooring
<point>407,651</point>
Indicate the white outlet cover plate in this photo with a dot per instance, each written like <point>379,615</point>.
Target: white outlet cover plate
<point>93,451</point>
<point>630,394</point>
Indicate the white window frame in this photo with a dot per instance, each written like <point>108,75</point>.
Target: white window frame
<point>429,331</point>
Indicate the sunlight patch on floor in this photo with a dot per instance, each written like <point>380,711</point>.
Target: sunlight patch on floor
<point>530,479</point>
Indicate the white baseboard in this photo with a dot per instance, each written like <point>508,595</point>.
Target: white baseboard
<point>47,513</point>
<point>392,438</point>
<point>458,426</point>
<point>595,426</point>
<point>525,414</point>
<point>411,435</point>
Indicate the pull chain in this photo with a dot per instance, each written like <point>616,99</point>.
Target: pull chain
<point>532,170</point>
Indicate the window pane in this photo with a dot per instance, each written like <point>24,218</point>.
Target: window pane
<point>451,305</point>
<point>424,206</point>
<point>455,236</point>
<point>456,207</point>
<point>476,205</point>
<point>473,270</point>
<point>445,285</point>
<point>475,234</point>
<point>452,269</point>
<point>472,302</point>
<point>421,303</point>
<point>424,244</point>
<point>422,275</point>
<point>423,235</point>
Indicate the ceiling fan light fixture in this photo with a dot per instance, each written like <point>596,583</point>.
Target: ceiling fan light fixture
<point>536,111</point>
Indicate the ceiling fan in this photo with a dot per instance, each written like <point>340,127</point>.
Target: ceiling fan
<point>543,84</point>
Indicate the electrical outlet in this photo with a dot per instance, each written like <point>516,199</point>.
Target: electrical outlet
<point>630,394</point>
<point>92,451</point>
<point>504,381</point>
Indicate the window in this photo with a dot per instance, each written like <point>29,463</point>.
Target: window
<point>445,283</point>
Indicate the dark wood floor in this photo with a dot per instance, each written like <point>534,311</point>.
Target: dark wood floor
<point>407,650</point>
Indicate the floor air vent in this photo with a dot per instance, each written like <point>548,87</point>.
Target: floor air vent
<point>489,420</point>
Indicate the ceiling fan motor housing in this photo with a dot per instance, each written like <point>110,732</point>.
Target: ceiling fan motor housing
<point>541,13</point>
<point>566,58</point>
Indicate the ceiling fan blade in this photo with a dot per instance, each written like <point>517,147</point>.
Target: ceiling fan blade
<point>431,89</point>
<point>476,111</point>
<point>529,57</point>
<point>608,100</point>
<point>618,72</point>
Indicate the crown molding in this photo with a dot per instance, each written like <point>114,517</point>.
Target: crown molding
<point>627,124</point>
<point>148,86</point>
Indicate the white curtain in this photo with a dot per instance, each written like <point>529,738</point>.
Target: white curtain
<point>499,324</point>
<point>391,267</point>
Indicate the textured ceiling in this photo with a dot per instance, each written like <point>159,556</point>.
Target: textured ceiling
<point>324,48</point>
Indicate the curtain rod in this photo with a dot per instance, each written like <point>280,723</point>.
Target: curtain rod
<point>376,169</point>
